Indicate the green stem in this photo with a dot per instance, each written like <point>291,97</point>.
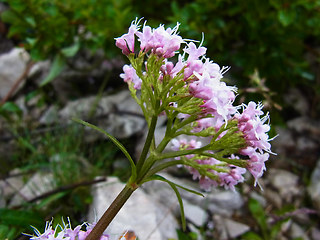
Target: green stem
<point>236,162</point>
<point>147,144</point>
<point>110,213</point>
<point>163,166</point>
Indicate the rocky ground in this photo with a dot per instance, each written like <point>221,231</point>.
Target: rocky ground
<point>292,180</point>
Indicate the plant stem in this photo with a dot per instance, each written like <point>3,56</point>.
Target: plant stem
<point>110,213</point>
<point>147,144</point>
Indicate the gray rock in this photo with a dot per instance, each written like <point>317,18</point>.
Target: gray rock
<point>2,199</point>
<point>218,201</point>
<point>195,214</point>
<point>227,228</point>
<point>305,125</point>
<point>273,197</point>
<point>39,71</point>
<point>118,114</point>
<point>315,233</point>
<point>285,182</point>
<point>38,184</point>
<point>314,187</point>
<point>50,116</point>
<point>283,142</point>
<point>297,231</point>
<point>11,185</point>
<point>12,66</point>
<point>259,198</point>
<point>298,101</point>
<point>141,214</point>
<point>235,229</point>
<point>223,202</point>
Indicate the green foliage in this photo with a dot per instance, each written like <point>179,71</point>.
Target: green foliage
<point>186,236</point>
<point>47,27</point>
<point>13,222</point>
<point>54,29</point>
<point>60,152</point>
<point>10,110</point>
<point>267,231</point>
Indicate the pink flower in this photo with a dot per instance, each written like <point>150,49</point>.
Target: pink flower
<point>255,132</point>
<point>253,127</point>
<point>217,95</point>
<point>66,233</point>
<point>145,38</point>
<point>228,180</point>
<point>193,52</point>
<point>130,75</point>
<point>166,41</point>
<point>126,41</point>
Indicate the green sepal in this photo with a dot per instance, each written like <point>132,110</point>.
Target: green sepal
<point>116,142</point>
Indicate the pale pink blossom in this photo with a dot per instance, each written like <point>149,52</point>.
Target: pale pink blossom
<point>126,41</point>
<point>130,75</point>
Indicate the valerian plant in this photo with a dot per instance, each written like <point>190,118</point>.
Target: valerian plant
<point>198,105</point>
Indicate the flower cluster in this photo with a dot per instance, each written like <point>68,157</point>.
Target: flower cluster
<point>65,233</point>
<point>255,131</point>
<point>195,93</point>
<point>160,41</point>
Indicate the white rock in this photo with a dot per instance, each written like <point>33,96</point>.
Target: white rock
<point>285,182</point>
<point>314,187</point>
<point>12,66</point>
<point>223,202</point>
<point>38,184</point>
<point>119,114</point>
<point>50,116</point>
<point>235,229</point>
<point>39,71</point>
<point>11,185</point>
<point>2,200</point>
<point>315,233</point>
<point>218,201</point>
<point>195,214</point>
<point>228,228</point>
<point>297,232</point>
<point>140,213</point>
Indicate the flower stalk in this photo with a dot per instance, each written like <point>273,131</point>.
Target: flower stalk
<point>110,213</point>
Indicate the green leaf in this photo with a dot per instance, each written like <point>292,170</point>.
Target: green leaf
<point>10,17</point>
<point>71,51</point>
<point>286,17</point>
<point>51,199</point>
<point>56,68</point>
<point>7,232</point>
<point>258,213</point>
<point>31,41</point>
<point>251,236</point>
<point>10,107</point>
<point>116,142</point>
<point>19,217</point>
<point>174,187</point>
<point>31,21</point>
<point>160,178</point>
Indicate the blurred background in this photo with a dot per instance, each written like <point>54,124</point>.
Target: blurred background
<point>58,60</point>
